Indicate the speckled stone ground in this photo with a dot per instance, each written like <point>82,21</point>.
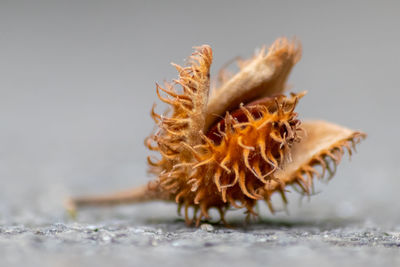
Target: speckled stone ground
<point>165,241</point>
<point>173,244</point>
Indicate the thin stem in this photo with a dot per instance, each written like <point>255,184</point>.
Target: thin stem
<point>135,195</point>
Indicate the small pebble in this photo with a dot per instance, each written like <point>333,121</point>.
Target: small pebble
<point>207,227</point>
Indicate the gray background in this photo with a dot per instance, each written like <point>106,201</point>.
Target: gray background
<point>77,81</point>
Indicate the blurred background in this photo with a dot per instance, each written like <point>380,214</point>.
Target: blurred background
<point>77,81</point>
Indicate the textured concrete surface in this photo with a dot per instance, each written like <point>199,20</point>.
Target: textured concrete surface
<point>123,243</point>
<point>76,86</point>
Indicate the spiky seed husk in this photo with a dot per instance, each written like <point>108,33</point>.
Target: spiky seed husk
<point>256,149</point>
<point>323,144</point>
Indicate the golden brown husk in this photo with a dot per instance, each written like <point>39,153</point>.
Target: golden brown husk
<point>256,149</point>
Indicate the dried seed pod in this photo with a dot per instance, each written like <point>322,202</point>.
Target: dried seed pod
<point>238,147</point>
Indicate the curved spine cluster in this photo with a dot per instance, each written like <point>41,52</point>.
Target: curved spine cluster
<point>239,168</point>
<point>185,122</point>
